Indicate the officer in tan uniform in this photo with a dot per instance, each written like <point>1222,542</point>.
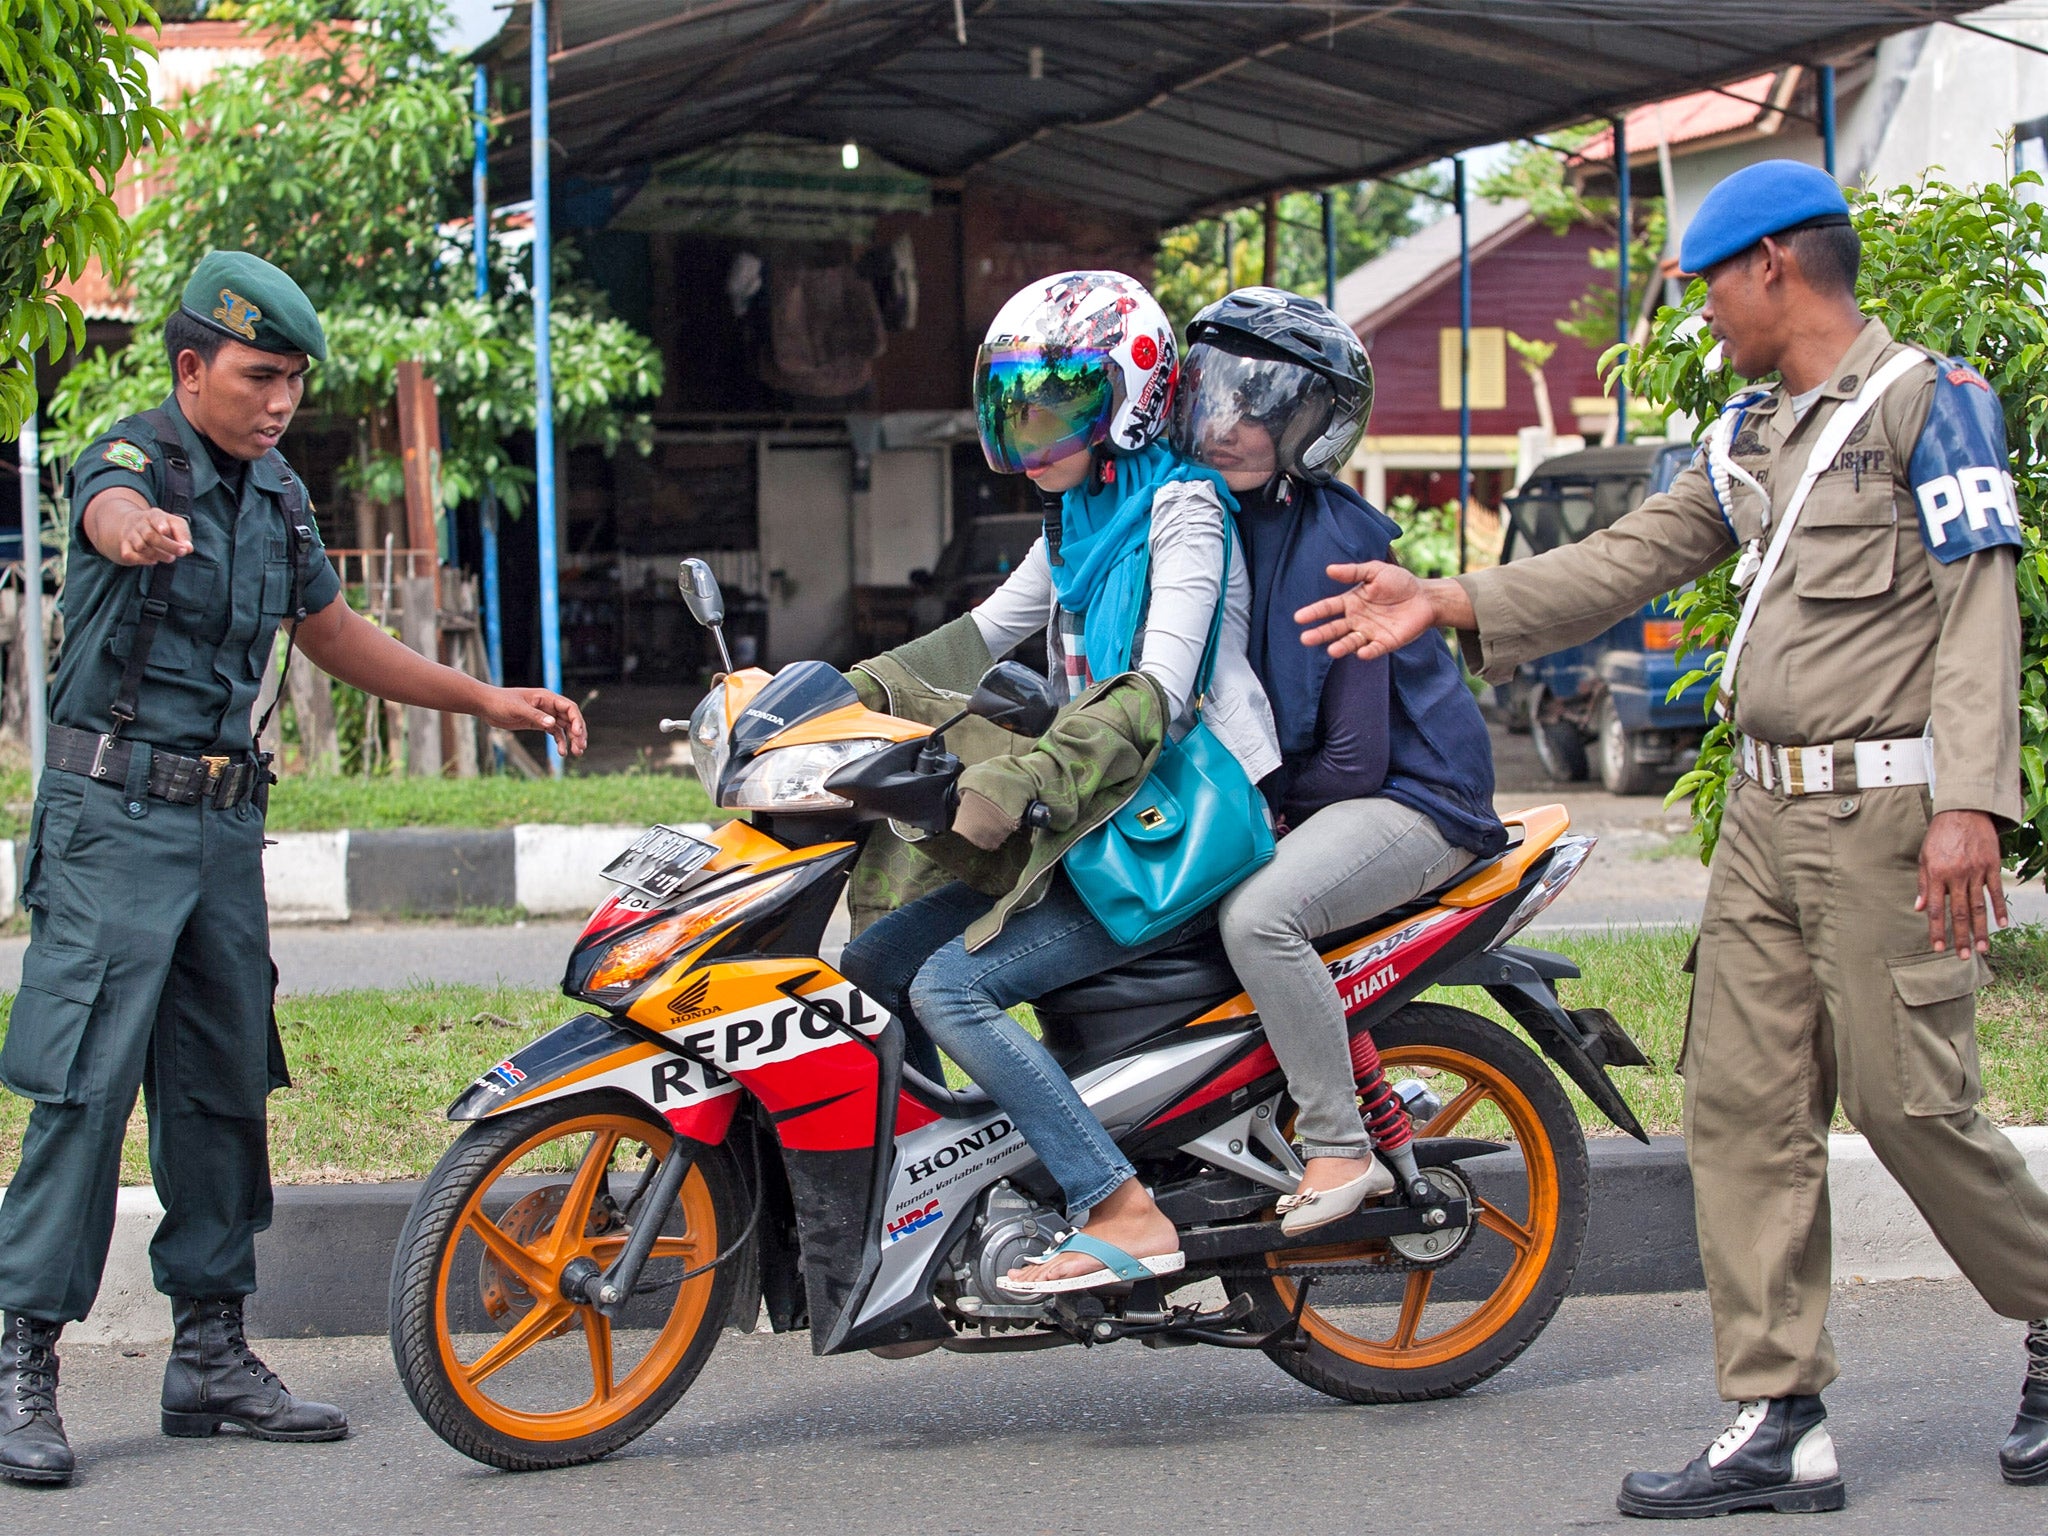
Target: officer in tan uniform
<point>1876,689</point>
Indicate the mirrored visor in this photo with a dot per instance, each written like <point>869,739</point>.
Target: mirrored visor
<point>1231,412</point>
<point>1033,409</point>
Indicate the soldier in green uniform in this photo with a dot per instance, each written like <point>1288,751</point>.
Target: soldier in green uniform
<point>148,964</point>
<point>1875,682</point>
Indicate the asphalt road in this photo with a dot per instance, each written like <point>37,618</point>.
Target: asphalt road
<point>1121,1439</point>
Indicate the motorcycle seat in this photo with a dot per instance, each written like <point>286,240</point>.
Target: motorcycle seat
<point>1100,1017</point>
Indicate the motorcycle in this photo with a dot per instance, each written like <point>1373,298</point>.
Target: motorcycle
<point>733,1126</point>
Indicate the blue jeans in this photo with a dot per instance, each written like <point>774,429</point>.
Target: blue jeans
<point>886,957</point>
<point>960,999</point>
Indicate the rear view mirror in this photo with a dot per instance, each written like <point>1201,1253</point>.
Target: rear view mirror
<point>1016,698</point>
<point>701,594</point>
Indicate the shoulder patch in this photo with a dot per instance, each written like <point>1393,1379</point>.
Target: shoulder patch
<point>1959,472</point>
<point>126,456</point>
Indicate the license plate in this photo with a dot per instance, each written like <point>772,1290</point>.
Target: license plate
<point>661,864</point>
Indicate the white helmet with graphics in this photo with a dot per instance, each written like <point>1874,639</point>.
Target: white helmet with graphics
<point>1073,362</point>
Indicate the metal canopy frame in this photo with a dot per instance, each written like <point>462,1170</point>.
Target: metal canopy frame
<point>1161,109</point>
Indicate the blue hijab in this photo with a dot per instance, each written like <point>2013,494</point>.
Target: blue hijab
<point>1105,550</point>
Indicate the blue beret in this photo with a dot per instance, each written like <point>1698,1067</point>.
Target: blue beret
<point>1767,198</point>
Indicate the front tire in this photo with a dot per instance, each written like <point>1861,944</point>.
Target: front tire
<point>496,1361</point>
<point>1378,1345</point>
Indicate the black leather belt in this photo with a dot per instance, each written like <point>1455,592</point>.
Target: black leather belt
<point>222,781</point>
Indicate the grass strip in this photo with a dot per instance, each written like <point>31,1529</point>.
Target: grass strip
<point>373,1071</point>
<point>500,800</point>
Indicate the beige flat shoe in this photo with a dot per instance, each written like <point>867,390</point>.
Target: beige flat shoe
<point>1306,1210</point>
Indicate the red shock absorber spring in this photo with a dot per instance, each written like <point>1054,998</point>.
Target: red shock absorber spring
<point>1386,1117</point>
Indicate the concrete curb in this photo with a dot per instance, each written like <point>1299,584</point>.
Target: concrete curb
<point>330,877</point>
<point>326,1260</point>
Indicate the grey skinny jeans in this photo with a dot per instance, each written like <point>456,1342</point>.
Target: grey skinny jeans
<point>1348,862</point>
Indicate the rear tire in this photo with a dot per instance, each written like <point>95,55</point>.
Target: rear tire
<point>444,1261</point>
<point>1622,770</point>
<point>1411,1365</point>
<point>1559,746</point>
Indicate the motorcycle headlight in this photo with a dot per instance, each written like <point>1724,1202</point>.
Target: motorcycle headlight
<point>793,778</point>
<point>1566,855</point>
<point>710,740</point>
<point>629,960</point>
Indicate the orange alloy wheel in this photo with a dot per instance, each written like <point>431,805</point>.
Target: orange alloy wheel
<point>1494,1087</point>
<point>523,1256</point>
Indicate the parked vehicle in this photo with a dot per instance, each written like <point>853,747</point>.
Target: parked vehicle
<point>733,1124</point>
<point>1604,703</point>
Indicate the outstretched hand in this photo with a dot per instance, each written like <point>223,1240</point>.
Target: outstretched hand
<point>535,709</point>
<point>1383,609</point>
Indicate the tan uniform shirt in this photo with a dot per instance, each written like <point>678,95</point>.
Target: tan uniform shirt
<point>1861,635</point>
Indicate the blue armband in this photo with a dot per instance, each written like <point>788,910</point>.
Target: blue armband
<point>1959,472</point>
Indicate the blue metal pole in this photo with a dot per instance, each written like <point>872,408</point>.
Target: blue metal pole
<point>544,379</point>
<point>1622,315</point>
<point>1330,250</point>
<point>487,509</point>
<point>1827,117</point>
<point>1464,356</point>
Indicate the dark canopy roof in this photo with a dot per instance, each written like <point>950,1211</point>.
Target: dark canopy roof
<point>1160,108</point>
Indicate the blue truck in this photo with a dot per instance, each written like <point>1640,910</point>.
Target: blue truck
<point>1603,704</point>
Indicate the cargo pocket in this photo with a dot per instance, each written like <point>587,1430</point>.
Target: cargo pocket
<point>59,984</point>
<point>1934,997</point>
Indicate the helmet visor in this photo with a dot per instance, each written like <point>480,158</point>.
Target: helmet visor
<point>1232,413</point>
<point>1034,406</point>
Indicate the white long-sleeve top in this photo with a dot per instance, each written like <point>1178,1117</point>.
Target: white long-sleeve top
<point>1188,529</point>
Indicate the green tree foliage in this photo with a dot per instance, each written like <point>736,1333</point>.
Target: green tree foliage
<point>74,106</point>
<point>1964,272</point>
<point>1370,216</point>
<point>343,159</point>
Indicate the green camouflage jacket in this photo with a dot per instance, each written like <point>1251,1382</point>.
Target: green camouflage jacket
<point>1082,771</point>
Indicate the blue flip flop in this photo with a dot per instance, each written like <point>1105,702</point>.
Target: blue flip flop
<point>1118,1267</point>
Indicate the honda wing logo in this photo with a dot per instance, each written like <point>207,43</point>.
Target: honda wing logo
<point>688,1004</point>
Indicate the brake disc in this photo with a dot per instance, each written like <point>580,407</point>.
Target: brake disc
<point>526,1220</point>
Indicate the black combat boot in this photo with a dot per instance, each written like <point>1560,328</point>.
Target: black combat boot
<point>1776,1455</point>
<point>214,1378</point>
<point>2024,1456</point>
<point>32,1444</point>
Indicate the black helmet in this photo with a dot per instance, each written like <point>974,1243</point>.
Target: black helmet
<point>1283,362</point>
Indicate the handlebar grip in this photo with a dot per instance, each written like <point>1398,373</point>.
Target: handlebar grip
<point>1036,815</point>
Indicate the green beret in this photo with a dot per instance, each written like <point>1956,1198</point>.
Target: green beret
<point>245,297</point>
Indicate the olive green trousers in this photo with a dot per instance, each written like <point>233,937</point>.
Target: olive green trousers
<point>148,966</point>
<point>1813,980</point>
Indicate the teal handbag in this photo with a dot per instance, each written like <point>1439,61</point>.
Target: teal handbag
<point>1194,829</point>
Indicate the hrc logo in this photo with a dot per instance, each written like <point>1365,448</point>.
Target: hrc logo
<point>908,1223</point>
<point>237,314</point>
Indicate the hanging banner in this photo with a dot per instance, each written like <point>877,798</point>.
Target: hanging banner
<point>768,187</point>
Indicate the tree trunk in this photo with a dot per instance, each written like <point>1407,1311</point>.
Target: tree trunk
<point>418,627</point>
<point>313,702</point>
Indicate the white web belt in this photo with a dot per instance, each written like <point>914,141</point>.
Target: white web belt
<point>1811,770</point>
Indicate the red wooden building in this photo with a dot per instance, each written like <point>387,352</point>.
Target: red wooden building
<point>1404,305</point>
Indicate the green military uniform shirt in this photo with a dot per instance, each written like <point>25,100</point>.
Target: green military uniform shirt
<point>226,598</point>
<point>1866,632</point>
